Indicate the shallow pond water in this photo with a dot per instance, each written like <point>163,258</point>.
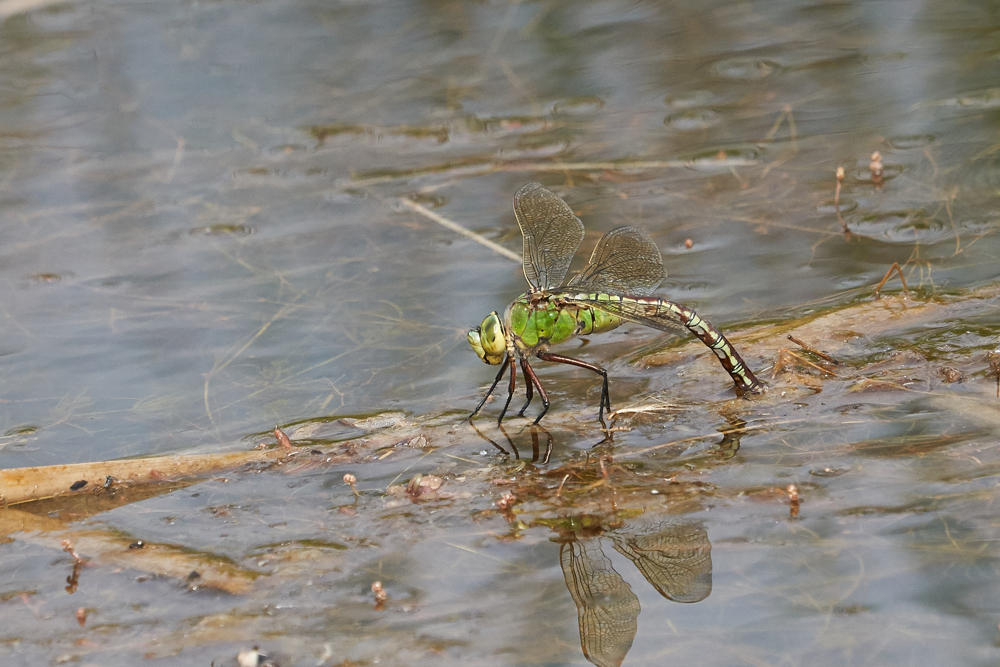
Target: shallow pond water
<point>217,217</point>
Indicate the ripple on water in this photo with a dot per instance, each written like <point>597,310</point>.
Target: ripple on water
<point>982,225</point>
<point>903,226</point>
<point>980,99</point>
<point>431,200</point>
<point>979,176</point>
<point>828,472</point>
<point>692,119</point>
<point>695,98</point>
<point>889,172</point>
<point>696,287</point>
<point>827,207</point>
<point>850,282</point>
<point>578,105</point>
<point>907,141</point>
<point>748,69</point>
<point>222,229</point>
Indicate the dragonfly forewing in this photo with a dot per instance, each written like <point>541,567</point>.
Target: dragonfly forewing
<point>552,235</point>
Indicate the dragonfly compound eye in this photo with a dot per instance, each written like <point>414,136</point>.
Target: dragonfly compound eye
<point>488,340</point>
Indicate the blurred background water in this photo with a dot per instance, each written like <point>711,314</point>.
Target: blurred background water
<point>201,235</point>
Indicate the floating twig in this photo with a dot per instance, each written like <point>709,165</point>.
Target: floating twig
<point>455,227</point>
<point>482,168</point>
<point>649,407</point>
<point>813,350</point>
<point>781,362</point>
<point>18,485</point>
<point>559,490</point>
<point>67,546</point>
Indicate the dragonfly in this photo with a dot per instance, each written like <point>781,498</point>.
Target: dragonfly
<point>616,286</point>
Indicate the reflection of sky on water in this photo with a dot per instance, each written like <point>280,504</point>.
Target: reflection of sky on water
<point>143,125</point>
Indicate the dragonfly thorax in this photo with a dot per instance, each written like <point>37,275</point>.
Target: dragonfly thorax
<point>489,340</point>
<point>538,320</point>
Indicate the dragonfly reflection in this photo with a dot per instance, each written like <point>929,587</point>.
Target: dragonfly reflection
<point>675,558</point>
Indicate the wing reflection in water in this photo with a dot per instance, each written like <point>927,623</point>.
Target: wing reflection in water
<point>676,559</point>
<point>606,606</point>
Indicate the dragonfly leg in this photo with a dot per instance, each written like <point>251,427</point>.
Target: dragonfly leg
<point>605,394</point>
<point>533,380</point>
<point>510,390</point>
<point>529,390</point>
<point>496,381</point>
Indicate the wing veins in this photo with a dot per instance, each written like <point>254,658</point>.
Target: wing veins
<point>551,233</point>
<point>625,261</point>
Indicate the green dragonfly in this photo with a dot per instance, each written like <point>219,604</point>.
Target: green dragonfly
<point>613,288</point>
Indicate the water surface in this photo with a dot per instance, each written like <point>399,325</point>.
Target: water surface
<point>202,236</point>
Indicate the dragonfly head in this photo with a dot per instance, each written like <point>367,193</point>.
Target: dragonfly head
<point>488,340</point>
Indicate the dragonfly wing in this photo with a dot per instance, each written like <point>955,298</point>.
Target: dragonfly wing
<point>552,235</point>
<point>625,261</point>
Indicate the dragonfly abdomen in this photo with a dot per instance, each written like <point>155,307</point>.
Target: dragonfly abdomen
<point>591,320</point>
<point>730,359</point>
